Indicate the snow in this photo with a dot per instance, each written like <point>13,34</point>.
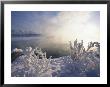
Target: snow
<point>34,63</point>
<point>17,50</point>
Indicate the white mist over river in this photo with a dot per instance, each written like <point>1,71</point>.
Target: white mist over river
<point>46,43</point>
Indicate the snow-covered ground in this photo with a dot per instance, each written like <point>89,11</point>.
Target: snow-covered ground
<point>34,63</point>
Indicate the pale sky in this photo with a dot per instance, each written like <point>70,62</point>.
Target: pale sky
<point>64,26</point>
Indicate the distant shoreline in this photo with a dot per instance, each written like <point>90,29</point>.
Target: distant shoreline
<point>26,35</point>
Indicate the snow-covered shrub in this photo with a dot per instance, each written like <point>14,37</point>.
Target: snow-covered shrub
<point>79,63</point>
<point>31,64</point>
<point>86,61</point>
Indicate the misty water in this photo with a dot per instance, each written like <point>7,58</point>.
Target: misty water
<point>54,49</point>
<point>62,64</point>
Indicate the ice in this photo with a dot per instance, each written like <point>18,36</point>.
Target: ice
<point>80,62</point>
<point>17,50</point>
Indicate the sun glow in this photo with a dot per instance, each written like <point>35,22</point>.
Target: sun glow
<point>76,25</point>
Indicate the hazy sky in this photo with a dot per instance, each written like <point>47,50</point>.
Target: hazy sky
<point>63,25</point>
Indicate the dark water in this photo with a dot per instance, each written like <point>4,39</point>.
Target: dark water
<point>46,44</point>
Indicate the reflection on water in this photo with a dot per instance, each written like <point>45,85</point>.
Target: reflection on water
<point>54,49</point>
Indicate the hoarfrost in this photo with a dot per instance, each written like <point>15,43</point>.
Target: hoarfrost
<point>80,62</point>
